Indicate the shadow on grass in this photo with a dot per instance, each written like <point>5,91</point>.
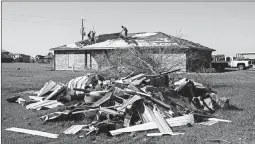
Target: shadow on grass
<point>230,70</point>
<point>233,108</point>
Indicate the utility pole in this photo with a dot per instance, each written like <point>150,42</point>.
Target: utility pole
<point>82,29</point>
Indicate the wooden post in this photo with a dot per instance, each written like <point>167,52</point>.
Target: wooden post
<point>86,59</point>
<point>90,61</point>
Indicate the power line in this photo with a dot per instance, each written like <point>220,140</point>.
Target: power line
<point>22,15</point>
<point>36,22</point>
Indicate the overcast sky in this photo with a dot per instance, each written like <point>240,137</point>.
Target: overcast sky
<point>35,27</point>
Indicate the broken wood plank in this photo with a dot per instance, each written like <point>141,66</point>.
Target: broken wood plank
<point>211,122</point>
<point>108,111</point>
<point>219,120</point>
<point>173,122</point>
<point>138,81</point>
<point>53,116</point>
<point>106,97</point>
<point>160,121</point>
<point>149,97</point>
<point>55,92</point>
<point>45,103</point>
<point>33,132</point>
<point>93,109</point>
<point>164,73</point>
<point>130,102</point>
<point>127,118</point>
<point>36,98</point>
<point>74,129</point>
<point>47,87</point>
<point>144,113</point>
<point>129,80</point>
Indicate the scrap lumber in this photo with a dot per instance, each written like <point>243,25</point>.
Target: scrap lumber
<point>45,103</point>
<point>144,113</point>
<point>94,109</point>
<point>47,87</point>
<point>161,123</point>
<point>79,89</point>
<point>55,92</point>
<point>106,97</point>
<point>130,75</point>
<point>129,80</point>
<point>210,122</point>
<point>130,102</point>
<point>107,110</point>
<point>54,115</point>
<point>74,129</point>
<point>36,98</point>
<point>33,132</point>
<point>217,119</point>
<point>21,101</point>
<point>148,96</point>
<point>138,81</point>
<point>164,73</point>
<point>127,118</point>
<point>173,122</point>
<point>118,91</point>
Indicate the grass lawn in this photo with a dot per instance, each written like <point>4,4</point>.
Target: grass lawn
<point>237,85</point>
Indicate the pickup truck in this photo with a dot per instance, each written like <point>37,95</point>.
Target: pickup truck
<point>234,62</point>
<point>221,62</point>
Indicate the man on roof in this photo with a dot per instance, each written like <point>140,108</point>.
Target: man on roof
<point>89,36</point>
<point>93,39</point>
<point>124,29</point>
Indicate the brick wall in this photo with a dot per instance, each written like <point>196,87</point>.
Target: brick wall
<point>172,61</point>
<point>66,61</point>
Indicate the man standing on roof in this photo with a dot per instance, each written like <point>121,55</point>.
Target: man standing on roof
<point>93,39</point>
<point>89,36</point>
<point>125,31</point>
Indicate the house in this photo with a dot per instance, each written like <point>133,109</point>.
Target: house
<point>32,60</point>
<point>47,59</point>
<point>21,57</point>
<point>81,55</point>
<point>44,59</point>
<point>39,58</point>
<point>6,56</point>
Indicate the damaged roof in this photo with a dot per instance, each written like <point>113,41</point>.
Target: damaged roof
<point>142,39</point>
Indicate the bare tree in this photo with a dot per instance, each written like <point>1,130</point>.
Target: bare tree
<point>153,58</point>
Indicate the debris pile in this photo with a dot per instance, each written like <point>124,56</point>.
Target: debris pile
<point>133,103</point>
